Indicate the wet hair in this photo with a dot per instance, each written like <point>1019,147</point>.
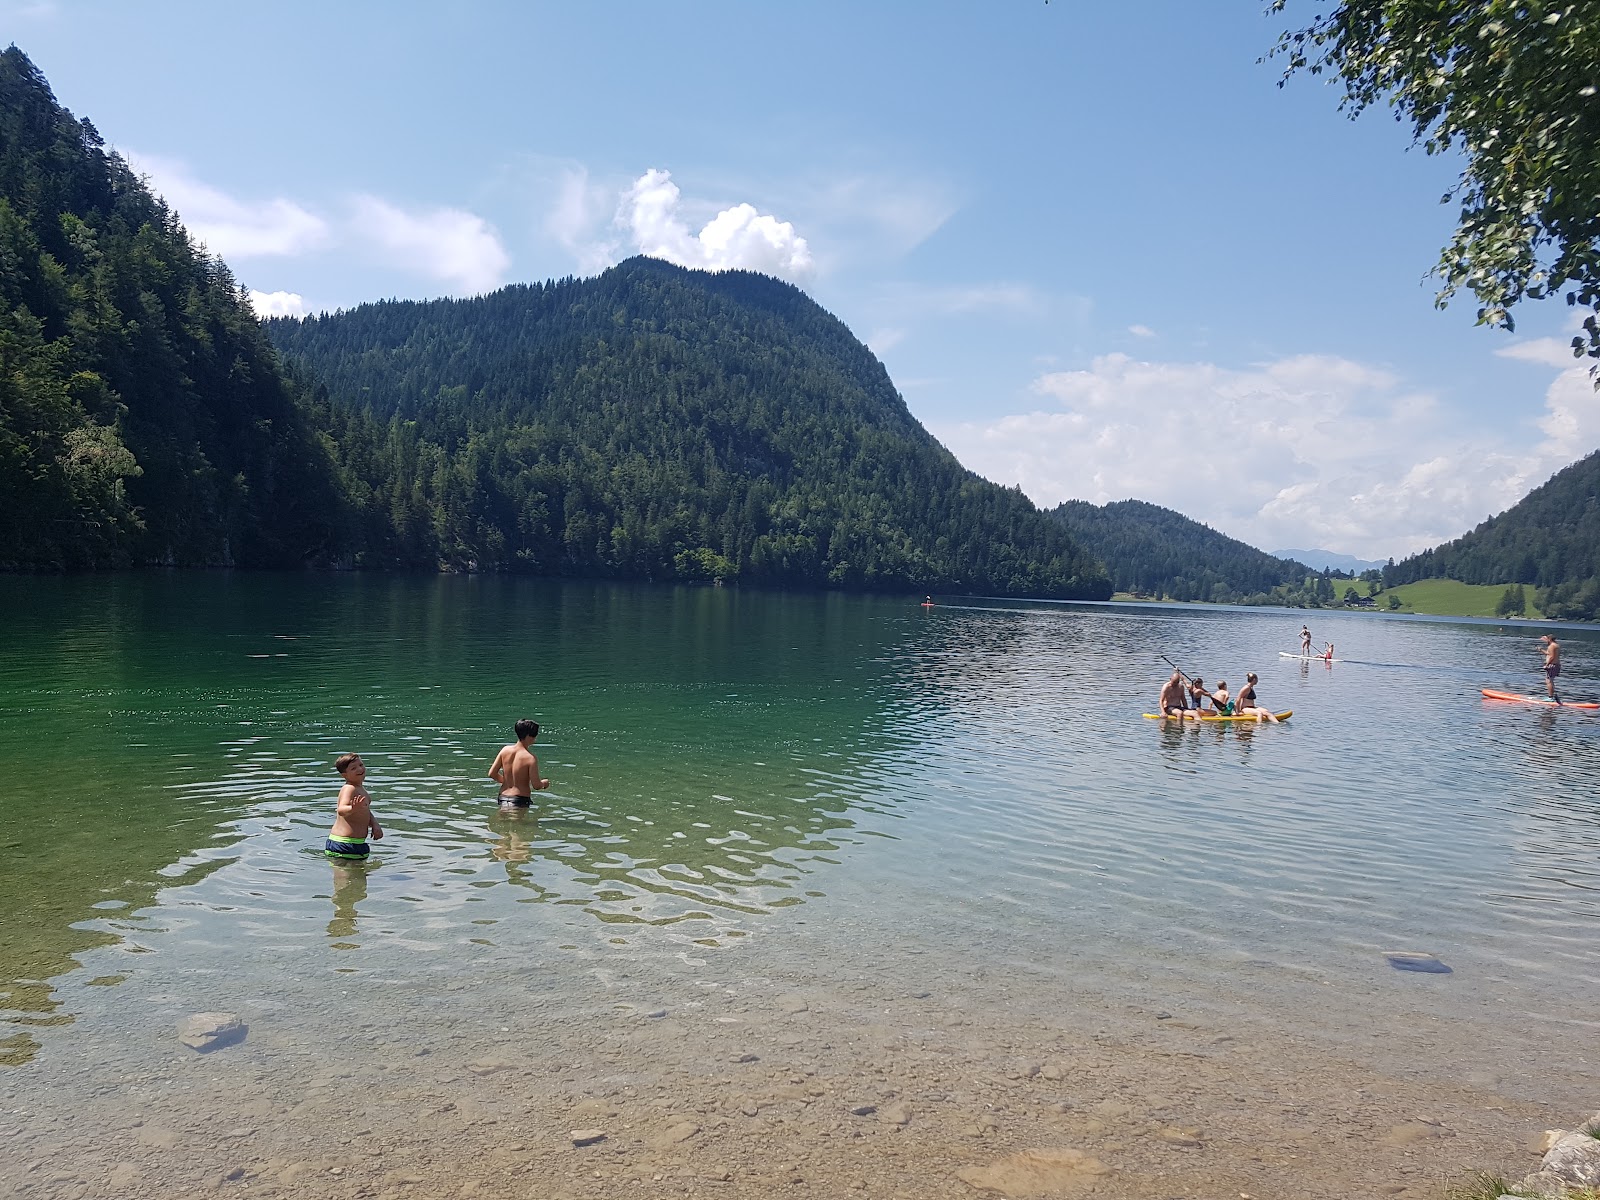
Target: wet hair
<point>1222,685</point>
<point>526,728</point>
<point>344,760</point>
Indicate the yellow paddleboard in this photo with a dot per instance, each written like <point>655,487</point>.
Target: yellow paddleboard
<point>1283,716</point>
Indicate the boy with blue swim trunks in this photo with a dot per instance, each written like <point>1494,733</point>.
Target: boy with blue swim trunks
<point>354,820</point>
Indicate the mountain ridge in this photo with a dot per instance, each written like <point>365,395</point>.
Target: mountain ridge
<point>661,422</point>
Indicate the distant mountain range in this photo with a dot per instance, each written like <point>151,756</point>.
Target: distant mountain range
<point>1327,560</point>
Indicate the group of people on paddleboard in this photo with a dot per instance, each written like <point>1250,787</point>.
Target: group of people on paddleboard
<point>1187,699</point>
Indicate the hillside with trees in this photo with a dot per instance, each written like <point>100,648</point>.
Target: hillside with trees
<point>1549,540</point>
<point>1153,551</point>
<point>657,422</point>
<point>143,417</point>
<point>652,423</point>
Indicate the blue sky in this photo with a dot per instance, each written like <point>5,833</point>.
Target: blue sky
<point>1101,253</point>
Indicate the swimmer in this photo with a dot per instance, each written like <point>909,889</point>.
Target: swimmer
<point>353,821</point>
<point>516,769</point>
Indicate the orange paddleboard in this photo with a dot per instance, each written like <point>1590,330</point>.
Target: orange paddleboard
<point>1494,695</point>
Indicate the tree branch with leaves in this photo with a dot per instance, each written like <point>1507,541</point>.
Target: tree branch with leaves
<point>1511,85</point>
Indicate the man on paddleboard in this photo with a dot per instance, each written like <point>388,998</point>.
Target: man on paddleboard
<point>1171,702</point>
<point>1552,665</point>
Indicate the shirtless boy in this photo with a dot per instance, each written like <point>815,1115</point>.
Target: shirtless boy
<point>516,770</point>
<point>354,820</point>
<point>1171,702</point>
<point>1552,665</point>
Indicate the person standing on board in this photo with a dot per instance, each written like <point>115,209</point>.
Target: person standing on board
<point>1552,665</point>
<point>1171,702</point>
<point>516,770</point>
<point>1305,641</point>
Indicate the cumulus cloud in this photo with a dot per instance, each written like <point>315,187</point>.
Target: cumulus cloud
<point>1309,450</point>
<point>229,227</point>
<point>277,304</point>
<point>456,247</point>
<point>736,238</point>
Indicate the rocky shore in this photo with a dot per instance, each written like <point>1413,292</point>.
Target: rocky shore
<point>1570,1168</point>
<point>718,1082</point>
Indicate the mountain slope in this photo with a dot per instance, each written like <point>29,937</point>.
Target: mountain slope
<point>1550,538</point>
<point>1155,551</point>
<point>659,422</point>
<point>143,416</point>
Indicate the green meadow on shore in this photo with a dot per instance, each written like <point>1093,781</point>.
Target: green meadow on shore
<point>1431,597</point>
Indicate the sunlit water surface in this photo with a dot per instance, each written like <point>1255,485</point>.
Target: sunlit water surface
<point>805,780</point>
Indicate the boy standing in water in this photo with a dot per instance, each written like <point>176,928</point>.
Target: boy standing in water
<point>354,820</point>
<point>516,770</point>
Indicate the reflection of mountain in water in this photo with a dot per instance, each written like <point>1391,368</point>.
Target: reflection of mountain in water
<point>707,748</point>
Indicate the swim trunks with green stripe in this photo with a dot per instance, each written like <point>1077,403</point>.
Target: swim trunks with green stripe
<point>345,847</point>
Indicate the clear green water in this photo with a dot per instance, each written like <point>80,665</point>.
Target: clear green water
<point>821,783</point>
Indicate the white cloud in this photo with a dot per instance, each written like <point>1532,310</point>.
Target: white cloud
<point>229,227</point>
<point>1311,450</point>
<point>1142,331</point>
<point>739,237</point>
<point>580,208</point>
<point>277,304</point>
<point>881,341</point>
<point>451,245</point>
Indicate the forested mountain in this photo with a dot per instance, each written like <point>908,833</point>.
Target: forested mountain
<point>1550,539</point>
<point>1157,552</point>
<point>143,416</point>
<point>657,422</point>
<point>650,423</point>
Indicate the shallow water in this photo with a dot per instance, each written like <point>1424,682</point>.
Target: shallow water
<point>808,788</point>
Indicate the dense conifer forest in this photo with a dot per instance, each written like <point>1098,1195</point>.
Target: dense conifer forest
<point>1549,540</point>
<point>657,422</point>
<point>1153,551</point>
<point>651,423</point>
<point>143,416</point>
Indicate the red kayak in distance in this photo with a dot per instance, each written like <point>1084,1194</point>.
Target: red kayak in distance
<point>1491,694</point>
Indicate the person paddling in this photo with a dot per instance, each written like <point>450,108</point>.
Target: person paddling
<point>1305,641</point>
<point>1198,695</point>
<point>1246,704</point>
<point>1552,666</point>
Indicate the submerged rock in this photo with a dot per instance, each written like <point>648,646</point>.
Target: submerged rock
<point>1410,960</point>
<point>208,1031</point>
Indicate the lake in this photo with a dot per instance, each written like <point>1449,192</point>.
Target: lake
<point>809,865</point>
